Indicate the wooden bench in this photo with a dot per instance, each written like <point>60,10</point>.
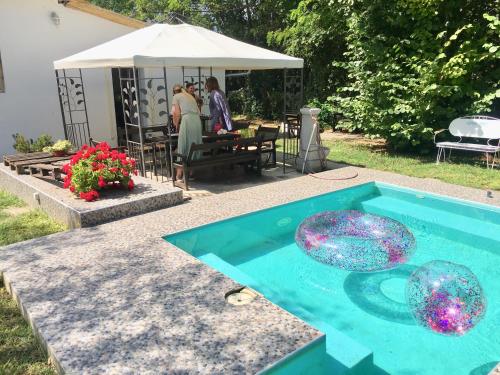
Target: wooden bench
<point>240,151</point>
<point>475,128</point>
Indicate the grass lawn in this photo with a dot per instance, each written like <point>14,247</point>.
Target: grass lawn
<point>467,169</point>
<point>19,223</point>
<point>19,351</point>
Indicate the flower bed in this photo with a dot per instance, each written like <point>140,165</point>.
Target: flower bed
<point>94,168</point>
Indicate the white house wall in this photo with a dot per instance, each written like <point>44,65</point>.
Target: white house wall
<point>29,43</point>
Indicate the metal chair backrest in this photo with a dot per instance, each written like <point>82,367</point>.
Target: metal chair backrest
<point>476,127</point>
<point>267,132</point>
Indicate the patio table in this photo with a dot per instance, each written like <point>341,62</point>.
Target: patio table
<point>207,137</point>
<point>157,149</point>
<point>204,121</point>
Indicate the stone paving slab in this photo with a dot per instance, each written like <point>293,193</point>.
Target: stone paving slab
<point>148,195</point>
<point>116,298</point>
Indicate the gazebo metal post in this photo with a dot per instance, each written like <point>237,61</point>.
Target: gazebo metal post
<point>139,122</point>
<point>123,106</point>
<point>84,105</point>
<point>301,88</point>
<point>61,104</point>
<point>285,125</point>
<point>199,80</point>
<point>68,101</point>
<point>170,156</point>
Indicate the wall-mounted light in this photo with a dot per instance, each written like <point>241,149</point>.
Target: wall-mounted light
<point>55,18</point>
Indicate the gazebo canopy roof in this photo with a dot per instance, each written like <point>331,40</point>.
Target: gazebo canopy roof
<point>163,45</point>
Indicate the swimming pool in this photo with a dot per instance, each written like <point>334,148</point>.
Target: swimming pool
<point>364,315</point>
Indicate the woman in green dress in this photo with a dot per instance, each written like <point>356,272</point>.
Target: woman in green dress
<point>186,117</point>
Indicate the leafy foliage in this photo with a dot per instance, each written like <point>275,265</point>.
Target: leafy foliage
<point>42,141</point>
<point>242,101</point>
<point>247,20</point>
<point>21,144</point>
<point>411,66</point>
<point>316,31</point>
<point>329,115</point>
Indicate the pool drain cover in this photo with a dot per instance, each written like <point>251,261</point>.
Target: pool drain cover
<point>240,296</point>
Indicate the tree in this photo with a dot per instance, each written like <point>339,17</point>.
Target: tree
<point>316,31</point>
<point>410,66</point>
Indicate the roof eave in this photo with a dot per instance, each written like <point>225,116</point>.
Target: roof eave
<point>85,6</point>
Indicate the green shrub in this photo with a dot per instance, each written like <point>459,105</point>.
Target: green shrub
<point>42,141</point>
<point>409,66</point>
<point>243,102</point>
<point>329,113</point>
<point>21,144</point>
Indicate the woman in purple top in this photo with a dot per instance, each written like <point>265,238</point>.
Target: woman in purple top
<point>219,109</point>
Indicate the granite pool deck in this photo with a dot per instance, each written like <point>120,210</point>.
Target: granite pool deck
<point>116,298</point>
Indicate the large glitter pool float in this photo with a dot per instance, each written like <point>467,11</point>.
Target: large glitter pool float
<point>355,241</point>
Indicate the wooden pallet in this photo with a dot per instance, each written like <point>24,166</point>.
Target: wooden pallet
<point>45,170</point>
<point>21,166</point>
<point>7,159</point>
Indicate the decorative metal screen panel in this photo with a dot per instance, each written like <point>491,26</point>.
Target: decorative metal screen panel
<point>73,106</point>
<point>148,127</point>
<point>198,77</point>
<point>293,97</point>
<point>293,90</point>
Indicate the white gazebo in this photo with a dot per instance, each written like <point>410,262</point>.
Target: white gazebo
<point>143,58</point>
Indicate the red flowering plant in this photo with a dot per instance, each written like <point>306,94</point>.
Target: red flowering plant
<point>94,168</point>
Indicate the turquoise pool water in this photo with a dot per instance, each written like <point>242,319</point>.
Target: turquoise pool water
<point>364,316</point>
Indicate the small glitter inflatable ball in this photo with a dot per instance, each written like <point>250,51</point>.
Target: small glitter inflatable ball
<point>355,241</point>
<point>445,297</point>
